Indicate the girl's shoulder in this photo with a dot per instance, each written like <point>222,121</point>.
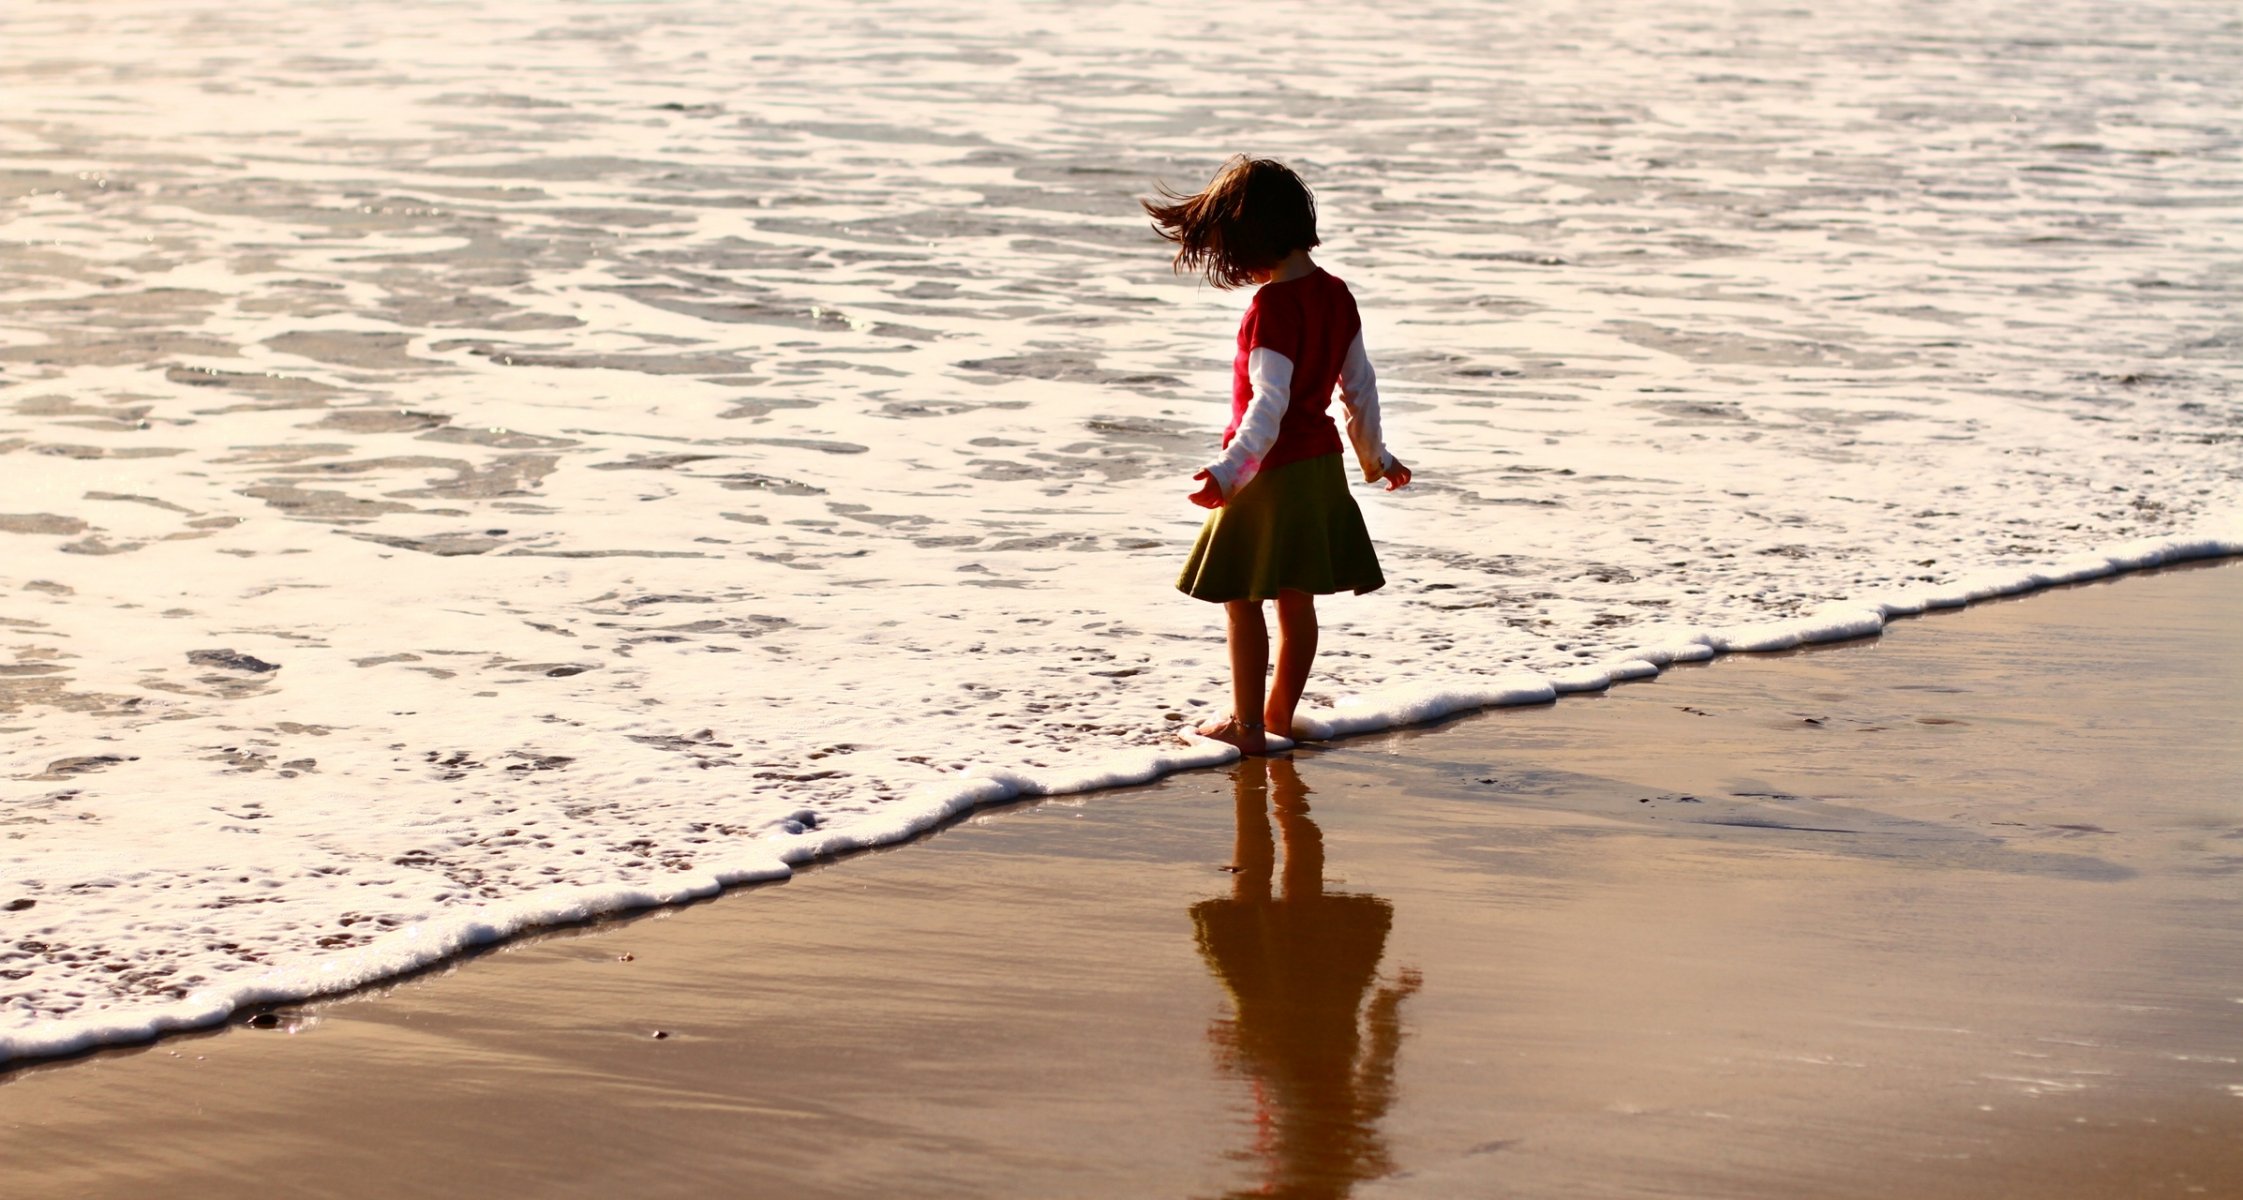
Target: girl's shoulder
<point>1322,289</point>
<point>1327,294</point>
<point>1288,316</point>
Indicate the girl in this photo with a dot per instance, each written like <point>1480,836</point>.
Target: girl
<point>1284,527</point>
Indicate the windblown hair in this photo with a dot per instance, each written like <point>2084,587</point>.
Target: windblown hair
<point>1250,217</point>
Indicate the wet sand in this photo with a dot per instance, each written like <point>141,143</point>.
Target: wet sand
<point>1950,913</point>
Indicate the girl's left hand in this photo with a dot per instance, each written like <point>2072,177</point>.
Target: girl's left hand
<point>1210,494</point>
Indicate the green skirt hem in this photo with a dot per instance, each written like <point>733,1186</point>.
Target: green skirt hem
<point>1292,528</point>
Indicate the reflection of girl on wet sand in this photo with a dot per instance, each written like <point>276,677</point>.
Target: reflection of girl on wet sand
<point>1297,966</point>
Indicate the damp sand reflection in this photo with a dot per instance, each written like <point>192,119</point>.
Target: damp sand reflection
<point>1297,962</point>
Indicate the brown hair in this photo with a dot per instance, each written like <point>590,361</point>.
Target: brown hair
<point>1253,214</point>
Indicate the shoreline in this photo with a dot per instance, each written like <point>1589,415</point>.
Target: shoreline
<point>1961,933</point>
<point>492,928</point>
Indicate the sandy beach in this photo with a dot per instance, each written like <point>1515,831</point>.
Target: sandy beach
<point>1947,913</point>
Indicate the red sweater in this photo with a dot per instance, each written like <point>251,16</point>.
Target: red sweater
<point>1300,339</point>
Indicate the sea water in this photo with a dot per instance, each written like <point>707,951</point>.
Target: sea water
<point>466,466</point>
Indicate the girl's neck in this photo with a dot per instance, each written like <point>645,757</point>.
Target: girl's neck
<point>1295,265</point>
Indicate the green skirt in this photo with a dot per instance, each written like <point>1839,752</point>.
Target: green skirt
<point>1292,527</point>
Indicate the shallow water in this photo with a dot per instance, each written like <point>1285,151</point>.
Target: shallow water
<point>404,405</point>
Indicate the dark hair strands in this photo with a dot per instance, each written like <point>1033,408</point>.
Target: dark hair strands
<point>1253,214</point>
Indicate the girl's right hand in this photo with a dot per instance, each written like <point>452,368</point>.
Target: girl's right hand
<point>1397,476</point>
<point>1210,494</point>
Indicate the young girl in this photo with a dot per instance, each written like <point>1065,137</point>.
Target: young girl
<point>1284,527</point>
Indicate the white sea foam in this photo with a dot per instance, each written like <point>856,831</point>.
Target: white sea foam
<point>469,469</point>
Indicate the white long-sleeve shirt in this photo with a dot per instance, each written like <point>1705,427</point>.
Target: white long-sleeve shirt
<point>1288,350</point>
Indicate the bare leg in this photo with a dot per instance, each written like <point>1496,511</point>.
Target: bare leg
<point>1249,643</point>
<point>1296,649</point>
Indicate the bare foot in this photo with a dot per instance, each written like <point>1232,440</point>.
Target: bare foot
<point>1248,739</point>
